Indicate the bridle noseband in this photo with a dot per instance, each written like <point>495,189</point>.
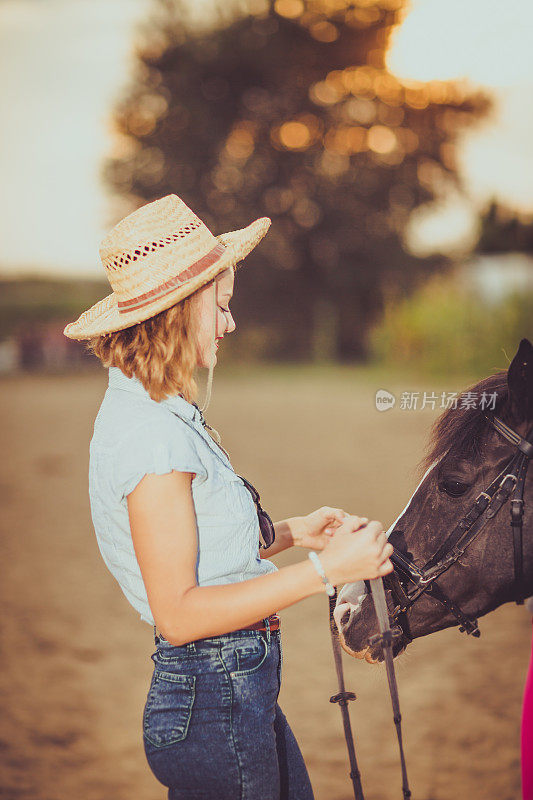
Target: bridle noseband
<point>509,484</point>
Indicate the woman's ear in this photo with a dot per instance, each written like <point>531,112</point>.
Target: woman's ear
<point>520,381</point>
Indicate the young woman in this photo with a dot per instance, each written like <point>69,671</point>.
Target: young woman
<point>185,537</point>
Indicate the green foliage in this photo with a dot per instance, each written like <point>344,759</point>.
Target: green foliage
<point>503,230</point>
<point>31,301</point>
<point>443,328</point>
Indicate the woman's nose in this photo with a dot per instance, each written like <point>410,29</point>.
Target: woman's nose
<point>230,323</point>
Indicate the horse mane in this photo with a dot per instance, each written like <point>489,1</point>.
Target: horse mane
<point>461,430</point>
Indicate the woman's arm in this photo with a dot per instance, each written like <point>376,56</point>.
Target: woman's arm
<point>284,538</point>
<point>163,528</point>
<point>313,530</point>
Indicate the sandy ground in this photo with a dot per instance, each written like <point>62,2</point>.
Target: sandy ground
<point>76,657</point>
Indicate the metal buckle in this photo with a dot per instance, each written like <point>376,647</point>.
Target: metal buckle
<point>510,475</point>
<point>517,510</point>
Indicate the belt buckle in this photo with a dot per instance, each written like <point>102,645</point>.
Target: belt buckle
<point>273,620</point>
<point>268,622</point>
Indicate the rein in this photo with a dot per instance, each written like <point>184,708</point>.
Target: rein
<point>343,698</point>
<point>385,638</point>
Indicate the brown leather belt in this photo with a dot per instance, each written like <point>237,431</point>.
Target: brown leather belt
<point>274,623</point>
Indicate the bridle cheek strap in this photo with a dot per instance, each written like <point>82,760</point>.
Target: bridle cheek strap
<point>525,454</point>
<point>517,519</point>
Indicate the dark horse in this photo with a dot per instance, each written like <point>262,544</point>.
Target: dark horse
<point>457,554</point>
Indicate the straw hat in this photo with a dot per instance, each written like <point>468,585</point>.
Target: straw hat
<point>156,256</point>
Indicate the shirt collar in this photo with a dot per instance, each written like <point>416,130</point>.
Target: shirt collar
<point>177,404</point>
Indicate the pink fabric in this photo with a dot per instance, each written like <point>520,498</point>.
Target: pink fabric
<point>527,735</point>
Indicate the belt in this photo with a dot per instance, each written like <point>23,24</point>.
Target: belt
<point>274,623</point>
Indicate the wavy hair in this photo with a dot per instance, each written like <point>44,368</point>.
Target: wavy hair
<point>160,351</point>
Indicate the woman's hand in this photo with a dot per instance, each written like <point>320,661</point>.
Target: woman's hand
<point>357,552</point>
<point>316,529</point>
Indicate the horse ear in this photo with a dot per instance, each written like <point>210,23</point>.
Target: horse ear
<point>520,380</point>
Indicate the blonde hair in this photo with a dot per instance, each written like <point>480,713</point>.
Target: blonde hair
<point>160,351</point>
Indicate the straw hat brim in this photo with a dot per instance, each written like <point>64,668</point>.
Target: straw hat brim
<point>105,317</point>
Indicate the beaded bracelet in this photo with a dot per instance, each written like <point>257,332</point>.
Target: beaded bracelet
<point>330,589</point>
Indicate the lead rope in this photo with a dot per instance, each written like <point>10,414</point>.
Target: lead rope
<point>213,352</point>
<point>386,638</point>
<point>215,434</point>
<point>343,698</point>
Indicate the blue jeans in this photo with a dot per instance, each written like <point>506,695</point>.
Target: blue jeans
<point>212,727</point>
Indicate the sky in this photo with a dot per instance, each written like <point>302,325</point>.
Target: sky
<point>486,44</point>
<point>63,64</point>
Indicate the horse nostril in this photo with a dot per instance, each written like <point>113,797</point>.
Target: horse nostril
<point>345,617</point>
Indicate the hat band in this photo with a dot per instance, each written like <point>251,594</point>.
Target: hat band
<point>126,306</point>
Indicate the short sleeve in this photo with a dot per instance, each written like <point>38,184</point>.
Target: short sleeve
<point>158,446</point>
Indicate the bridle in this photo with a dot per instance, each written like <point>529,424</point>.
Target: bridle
<point>508,484</point>
<point>407,583</point>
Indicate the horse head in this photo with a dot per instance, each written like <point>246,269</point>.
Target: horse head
<point>464,498</point>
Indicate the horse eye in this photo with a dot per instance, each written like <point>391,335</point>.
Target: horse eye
<point>453,488</point>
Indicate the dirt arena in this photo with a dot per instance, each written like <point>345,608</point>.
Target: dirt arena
<point>76,657</point>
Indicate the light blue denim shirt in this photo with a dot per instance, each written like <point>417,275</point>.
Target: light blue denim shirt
<point>134,435</point>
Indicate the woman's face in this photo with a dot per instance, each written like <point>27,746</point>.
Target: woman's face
<point>225,322</point>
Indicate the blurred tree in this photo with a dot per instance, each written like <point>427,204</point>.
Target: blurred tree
<point>502,230</point>
<point>287,110</point>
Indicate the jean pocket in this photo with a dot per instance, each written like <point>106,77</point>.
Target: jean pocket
<point>171,655</point>
<point>168,708</point>
<point>250,657</point>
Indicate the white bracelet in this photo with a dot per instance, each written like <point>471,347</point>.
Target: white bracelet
<point>330,589</point>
